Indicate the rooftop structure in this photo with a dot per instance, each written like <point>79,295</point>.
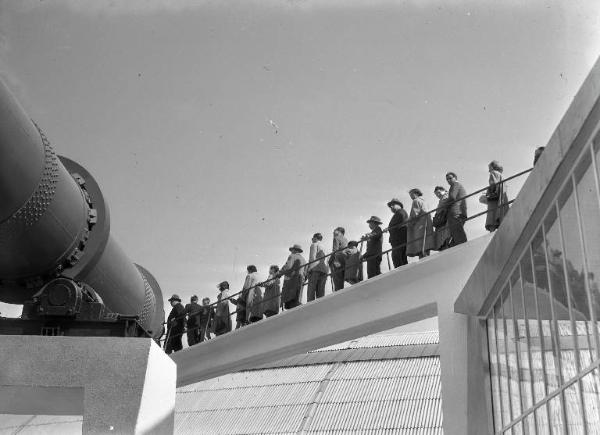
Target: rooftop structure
<point>384,384</point>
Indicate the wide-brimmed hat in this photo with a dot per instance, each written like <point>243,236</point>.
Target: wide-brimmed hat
<point>375,220</point>
<point>175,298</point>
<point>416,191</point>
<point>296,247</point>
<point>394,201</point>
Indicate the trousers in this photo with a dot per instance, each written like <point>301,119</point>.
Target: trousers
<point>174,343</point>
<point>316,285</point>
<point>457,231</point>
<point>399,255</point>
<point>373,266</point>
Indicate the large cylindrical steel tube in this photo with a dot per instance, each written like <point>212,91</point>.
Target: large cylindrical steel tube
<point>54,222</point>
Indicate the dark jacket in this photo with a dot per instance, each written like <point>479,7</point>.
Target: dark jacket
<point>193,314</point>
<point>177,314</point>
<point>457,208</point>
<point>374,243</point>
<point>396,229</point>
<point>207,314</point>
<point>294,275</point>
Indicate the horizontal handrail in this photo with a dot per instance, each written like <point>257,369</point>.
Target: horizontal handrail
<point>445,206</point>
<point>405,223</point>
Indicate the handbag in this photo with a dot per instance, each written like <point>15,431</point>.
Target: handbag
<point>441,218</point>
<point>493,192</point>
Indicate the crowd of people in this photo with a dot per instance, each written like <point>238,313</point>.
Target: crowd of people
<point>411,234</point>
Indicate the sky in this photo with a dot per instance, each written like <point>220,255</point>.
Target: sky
<point>223,132</point>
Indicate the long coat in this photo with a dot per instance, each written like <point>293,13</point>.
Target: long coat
<point>254,307</point>
<point>248,297</point>
<point>272,297</point>
<point>420,229</point>
<point>442,232</point>
<point>222,322</point>
<point>294,274</point>
<point>396,228</point>
<point>497,201</point>
<point>176,320</point>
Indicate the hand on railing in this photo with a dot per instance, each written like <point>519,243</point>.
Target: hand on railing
<point>461,221</point>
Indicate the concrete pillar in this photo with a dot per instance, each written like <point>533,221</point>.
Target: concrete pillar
<point>464,372</point>
<point>119,385</point>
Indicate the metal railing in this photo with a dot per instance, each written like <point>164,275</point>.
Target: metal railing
<point>244,292</point>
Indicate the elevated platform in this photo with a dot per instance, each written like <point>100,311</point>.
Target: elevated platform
<point>406,295</point>
<point>414,292</point>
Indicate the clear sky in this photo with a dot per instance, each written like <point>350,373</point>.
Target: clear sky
<point>222,132</point>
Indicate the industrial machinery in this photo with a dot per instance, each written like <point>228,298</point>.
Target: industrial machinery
<point>57,256</point>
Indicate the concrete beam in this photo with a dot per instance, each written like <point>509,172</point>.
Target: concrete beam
<point>393,299</point>
<point>414,292</point>
<point>119,385</point>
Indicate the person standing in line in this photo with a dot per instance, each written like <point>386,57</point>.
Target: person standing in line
<point>241,302</point>
<point>293,282</point>
<point>222,318</point>
<point>440,220</point>
<point>254,305</point>
<point>272,297</point>
<point>457,211</point>
<point>317,269</point>
<point>420,227</point>
<point>397,230</point>
<point>495,197</point>
<point>193,310</point>
<point>175,325</point>
<point>373,254</point>
<point>353,270</point>
<point>207,317</point>
<point>336,259</point>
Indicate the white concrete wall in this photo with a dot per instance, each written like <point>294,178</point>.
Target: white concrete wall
<point>120,385</point>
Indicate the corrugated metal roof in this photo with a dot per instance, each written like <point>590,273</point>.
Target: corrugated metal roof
<point>40,424</point>
<point>382,384</point>
<point>260,378</point>
<point>362,354</point>
<point>386,340</point>
<point>374,396</point>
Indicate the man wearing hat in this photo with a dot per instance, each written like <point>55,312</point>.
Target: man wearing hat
<point>193,310</point>
<point>175,325</point>
<point>374,247</point>
<point>397,229</point>
<point>294,273</point>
